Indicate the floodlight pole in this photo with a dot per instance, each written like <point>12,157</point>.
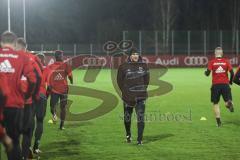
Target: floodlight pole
<point>24,20</point>
<point>9,17</point>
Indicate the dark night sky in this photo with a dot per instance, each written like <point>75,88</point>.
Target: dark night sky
<point>70,21</point>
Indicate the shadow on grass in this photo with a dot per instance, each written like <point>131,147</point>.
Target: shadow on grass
<point>78,124</point>
<point>235,122</point>
<point>149,139</point>
<point>61,149</point>
<point>66,144</point>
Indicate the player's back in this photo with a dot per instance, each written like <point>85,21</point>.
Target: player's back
<point>12,65</point>
<point>220,68</point>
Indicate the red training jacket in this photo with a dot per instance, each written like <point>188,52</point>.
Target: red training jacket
<point>14,65</point>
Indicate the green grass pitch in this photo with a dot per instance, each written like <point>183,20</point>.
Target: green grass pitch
<point>104,137</point>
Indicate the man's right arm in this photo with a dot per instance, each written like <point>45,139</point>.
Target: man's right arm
<point>120,77</point>
<point>231,76</point>
<point>207,72</point>
<point>147,75</point>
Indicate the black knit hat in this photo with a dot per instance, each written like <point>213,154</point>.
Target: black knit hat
<point>132,50</point>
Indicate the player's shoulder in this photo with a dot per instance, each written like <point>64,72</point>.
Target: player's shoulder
<point>212,60</point>
<point>56,64</point>
<point>34,57</point>
<point>23,55</point>
<point>123,65</point>
<point>37,59</point>
<point>50,66</point>
<point>217,60</point>
<point>66,64</point>
<point>226,59</point>
<point>46,69</point>
<point>31,56</point>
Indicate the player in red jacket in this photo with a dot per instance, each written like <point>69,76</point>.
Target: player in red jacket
<point>58,85</point>
<point>14,65</point>
<point>40,106</point>
<point>220,67</point>
<point>28,117</point>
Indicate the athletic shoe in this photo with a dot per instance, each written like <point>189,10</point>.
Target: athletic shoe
<point>54,118</point>
<point>230,106</point>
<point>61,128</point>
<point>37,151</point>
<point>30,155</point>
<point>128,139</point>
<point>219,124</point>
<point>139,143</point>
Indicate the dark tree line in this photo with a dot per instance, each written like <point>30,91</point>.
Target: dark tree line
<point>84,21</point>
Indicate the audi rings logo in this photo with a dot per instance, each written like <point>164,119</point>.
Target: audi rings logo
<point>196,61</point>
<point>94,61</point>
<point>145,59</point>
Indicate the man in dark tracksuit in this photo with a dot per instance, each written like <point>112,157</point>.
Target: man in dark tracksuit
<point>133,80</point>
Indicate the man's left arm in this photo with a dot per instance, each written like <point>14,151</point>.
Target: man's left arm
<point>146,76</point>
<point>231,73</point>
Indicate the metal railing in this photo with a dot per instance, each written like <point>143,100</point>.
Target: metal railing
<point>158,43</point>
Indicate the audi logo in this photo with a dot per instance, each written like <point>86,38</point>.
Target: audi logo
<point>94,61</point>
<point>196,61</point>
<point>145,59</point>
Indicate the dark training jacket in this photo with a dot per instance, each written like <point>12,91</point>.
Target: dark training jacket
<point>133,80</point>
